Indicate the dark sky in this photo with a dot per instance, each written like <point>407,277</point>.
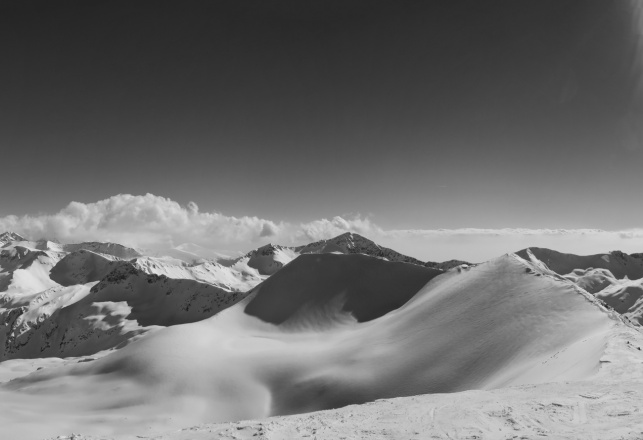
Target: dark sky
<point>424,114</point>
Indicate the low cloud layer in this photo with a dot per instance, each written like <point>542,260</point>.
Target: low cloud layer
<point>157,223</point>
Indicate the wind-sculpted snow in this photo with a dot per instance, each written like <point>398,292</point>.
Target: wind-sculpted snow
<point>502,323</point>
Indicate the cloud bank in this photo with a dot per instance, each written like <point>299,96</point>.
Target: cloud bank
<point>157,223</point>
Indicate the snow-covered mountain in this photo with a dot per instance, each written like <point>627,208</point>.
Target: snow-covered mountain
<point>266,260</point>
<point>270,258</point>
<point>287,330</point>
<point>9,237</point>
<point>364,287</point>
<point>615,277</point>
<point>618,263</point>
<point>500,327</point>
<point>351,243</point>
<point>79,299</point>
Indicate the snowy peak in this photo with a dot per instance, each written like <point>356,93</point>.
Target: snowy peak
<point>8,237</point>
<point>270,258</point>
<point>352,243</point>
<point>346,243</point>
<point>266,250</point>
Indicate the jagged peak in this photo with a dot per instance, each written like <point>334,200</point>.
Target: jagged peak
<point>266,249</point>
<point>8,236</point>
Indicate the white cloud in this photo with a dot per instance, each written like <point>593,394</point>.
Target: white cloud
<point>147,221</point>
<point>158,223</point>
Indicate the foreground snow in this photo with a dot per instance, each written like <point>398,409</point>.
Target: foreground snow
<point>609,406</point>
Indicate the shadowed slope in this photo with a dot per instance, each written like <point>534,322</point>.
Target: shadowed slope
<point>81,267</point>
<point>370,287</point>
<point>159,300</point>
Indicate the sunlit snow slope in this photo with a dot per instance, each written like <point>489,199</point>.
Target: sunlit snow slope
<point>504,322</point>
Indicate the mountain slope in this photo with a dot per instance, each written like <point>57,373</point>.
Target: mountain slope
<point>159,300</point>
<point>269,259</point>
<point>9,237</point>
<point>228,278</point>
<point>618,263</point>
<point>25,270</point>
<point>55,303</point>
<point>502,323</point>
<point>615,278</point>
<point>82,267</point>
<point>368,287</point>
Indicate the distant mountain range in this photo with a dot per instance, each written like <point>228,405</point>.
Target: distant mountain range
<point>49,290</point>
<point>271,257</point>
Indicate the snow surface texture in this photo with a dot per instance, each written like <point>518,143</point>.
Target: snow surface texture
<point>520,349</point>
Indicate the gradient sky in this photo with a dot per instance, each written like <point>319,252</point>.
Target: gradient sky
<point>441,114</point>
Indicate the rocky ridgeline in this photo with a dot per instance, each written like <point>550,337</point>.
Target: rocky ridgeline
<point>9,237</point>
<point>352,243</point>
<point>266,250</point>
<point>347,243</point>
<point>76,300</point>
